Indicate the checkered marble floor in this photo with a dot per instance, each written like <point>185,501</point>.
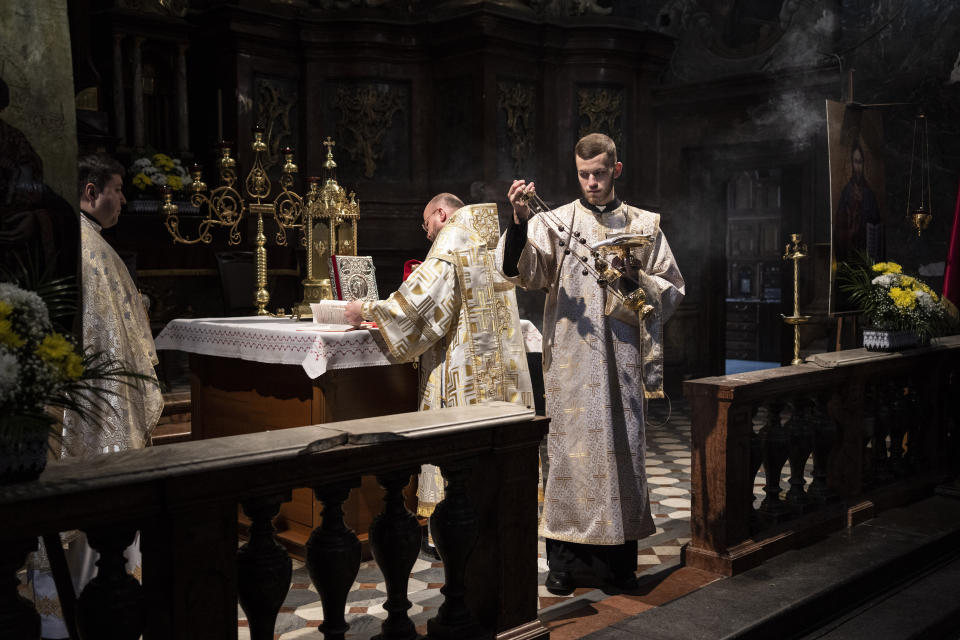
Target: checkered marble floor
<point>668,470</point>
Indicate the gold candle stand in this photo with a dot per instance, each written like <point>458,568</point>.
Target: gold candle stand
<point>225,207</point>
<point>796,250</point>
<point>327,209</point>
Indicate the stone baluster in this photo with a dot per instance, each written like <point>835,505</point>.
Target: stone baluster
<point>111,606</point>
<point>800,433</point>
<point>263,567</point>
<point>776,447</point>
<point>870,409</point>
<point>333,557</point>
<point>395,542</point>
<point>18,619</point>
<point>881,429</point>
<point>918,414</point>
<point>756,460</point>
<point>455,530</point>
<point>900,419</point>
<point>824,438</point>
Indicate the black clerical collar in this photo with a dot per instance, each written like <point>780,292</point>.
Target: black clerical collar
<point>610,206</point>
<point>91,219</point>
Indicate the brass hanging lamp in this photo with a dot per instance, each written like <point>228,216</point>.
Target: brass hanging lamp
<point>920,214</point>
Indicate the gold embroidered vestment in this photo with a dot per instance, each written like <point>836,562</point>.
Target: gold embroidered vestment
<point>114,321</point>
<point>598,371</point>
<point>459,315</point>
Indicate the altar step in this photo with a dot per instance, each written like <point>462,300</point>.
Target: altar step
<point>894,576</point>
<point>174,424</point>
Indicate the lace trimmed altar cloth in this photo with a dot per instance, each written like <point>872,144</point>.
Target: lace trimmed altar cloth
<point>318,348</point>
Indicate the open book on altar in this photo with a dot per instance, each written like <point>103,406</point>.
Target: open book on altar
<point>353,278</point>
<point>329,312</point>
<point>332,315</point>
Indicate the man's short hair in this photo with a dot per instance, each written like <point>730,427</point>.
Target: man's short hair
<point>593,144</point>
<point>97,169</point>
<point>447,200</point>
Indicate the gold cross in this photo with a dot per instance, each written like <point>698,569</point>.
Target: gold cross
<point>329,143</point>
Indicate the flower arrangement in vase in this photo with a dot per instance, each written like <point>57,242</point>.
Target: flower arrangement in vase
<point>900,308</point>
<point>149,173</point>
<point>42,373</point>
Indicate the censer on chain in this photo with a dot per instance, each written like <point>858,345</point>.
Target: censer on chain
<point>602,270</point>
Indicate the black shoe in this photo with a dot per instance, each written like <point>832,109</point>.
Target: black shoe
<point>560,583</point>
<point>428,549</point>
<point>626,582</point>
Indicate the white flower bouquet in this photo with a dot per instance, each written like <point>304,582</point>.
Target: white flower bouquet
<point>159,170</point>
<point>892,300</point>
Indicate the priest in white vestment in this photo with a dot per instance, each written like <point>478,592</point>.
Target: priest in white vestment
<point>114,321</point>
<point>601,362</point>
<point>459,315</point>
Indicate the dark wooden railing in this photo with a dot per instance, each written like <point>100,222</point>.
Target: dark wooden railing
<point>860,431</point>
<point>183,499</point>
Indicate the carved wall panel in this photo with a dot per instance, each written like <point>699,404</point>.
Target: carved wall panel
<point>373,129</point>
<point>516,128</point>
<point>603,109</point>
<point>275,107</point>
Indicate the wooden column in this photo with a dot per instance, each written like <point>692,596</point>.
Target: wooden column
<point>720,448</point>
<point>183,117</point>
<point>138,124</point>
<point>119,106</point>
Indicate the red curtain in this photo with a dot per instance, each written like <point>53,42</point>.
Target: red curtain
<point>951,275</point>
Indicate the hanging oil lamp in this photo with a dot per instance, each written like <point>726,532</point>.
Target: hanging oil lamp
<point>920,215</point>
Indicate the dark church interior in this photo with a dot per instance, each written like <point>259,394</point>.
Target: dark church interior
<point>803,486</point>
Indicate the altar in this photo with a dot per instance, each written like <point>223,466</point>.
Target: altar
<point>258,373</point>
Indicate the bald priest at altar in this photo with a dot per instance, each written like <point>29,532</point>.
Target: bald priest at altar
<point>459,315</point>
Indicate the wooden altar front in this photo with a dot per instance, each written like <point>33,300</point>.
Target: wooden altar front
<point>255,374</point>
<point>230,396</point>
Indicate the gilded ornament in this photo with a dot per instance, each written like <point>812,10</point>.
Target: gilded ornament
<point>516,100</point>
<point>602,108</point>
<point>367,113</point>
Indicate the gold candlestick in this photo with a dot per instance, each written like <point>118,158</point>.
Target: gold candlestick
<point>225,207</point>
<point>796,250</point>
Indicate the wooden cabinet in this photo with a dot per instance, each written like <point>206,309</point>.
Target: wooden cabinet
<point>230,396</point>
<point>753,330</point>
<point>754,266</point>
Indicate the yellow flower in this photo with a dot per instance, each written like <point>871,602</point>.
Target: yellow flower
<point>73,367</point>
<point>162,161</point>
<point>54,348</point>
<point>57,351</point>
<point>903,298</point>
<point>887,267</point>
<point>8,336</point>
<point>5,308</point>
<point>142,181</point>
<point>175,183</point>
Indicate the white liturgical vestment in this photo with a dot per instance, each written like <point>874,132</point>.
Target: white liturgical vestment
<point>598,370</point>
<point>460,316</point>
<point>115,322</point>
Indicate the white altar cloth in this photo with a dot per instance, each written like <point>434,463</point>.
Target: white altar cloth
<point>318,348</point>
